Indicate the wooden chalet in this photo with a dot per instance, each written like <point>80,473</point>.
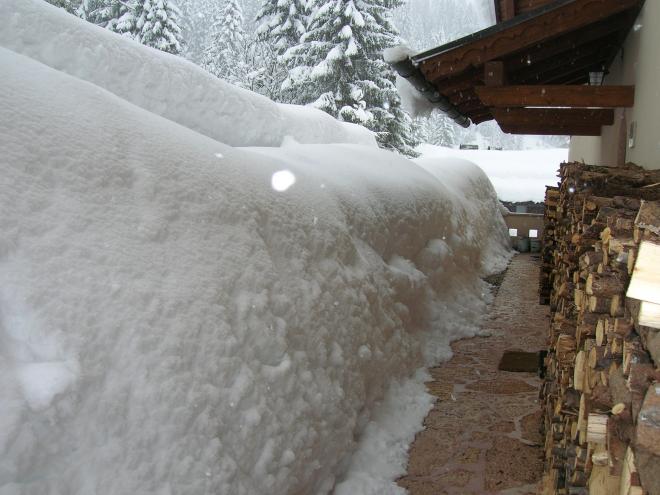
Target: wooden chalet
<point>589,69</point>
<point>538,70</point>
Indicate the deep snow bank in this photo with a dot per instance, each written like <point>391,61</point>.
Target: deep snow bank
<point>515,175</point>
<point>170,323</point>
<point>161,83</point>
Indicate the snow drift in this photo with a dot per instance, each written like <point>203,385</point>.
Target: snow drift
<point>181,316</point>
<point>516,175</point>
<point>162,83</point>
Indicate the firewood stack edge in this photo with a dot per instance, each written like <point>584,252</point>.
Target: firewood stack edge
<point>600,274</point>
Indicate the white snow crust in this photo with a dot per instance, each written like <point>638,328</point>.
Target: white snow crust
<point>178,315</point>
<point>397,53</point>
<point>516,175</point>
<point>162,83</point>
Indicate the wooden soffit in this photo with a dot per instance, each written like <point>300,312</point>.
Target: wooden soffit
<point>542,57</point>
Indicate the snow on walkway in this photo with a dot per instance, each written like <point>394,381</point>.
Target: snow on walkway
<point>178,315</point>
<point>482,435</point>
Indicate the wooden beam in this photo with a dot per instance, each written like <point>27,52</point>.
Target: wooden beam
<point>508,9</point>
<point>557,96</point>
<point>576,68</point>
<point>463,82</point>
<point>554,116</point>
<point>556,22</point>
<point>523,6</point>
<point>494,74</point>
<point>550,50</point>
<point>593,50</point>
<point>480,116</point>
<point>470,106</point>
<point>548,130</point>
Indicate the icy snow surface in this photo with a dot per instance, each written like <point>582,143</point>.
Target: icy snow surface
<point>182,316</point>
<point>162,83</point>
<point>397,53</point>
<point>516,175</point>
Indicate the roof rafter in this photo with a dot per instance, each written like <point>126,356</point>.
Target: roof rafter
<point>557,96</point>
<point>561,18</point>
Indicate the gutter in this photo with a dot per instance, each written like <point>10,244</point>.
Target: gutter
<point>406,69</point>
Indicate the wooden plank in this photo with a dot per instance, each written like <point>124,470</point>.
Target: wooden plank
<point>649,314</point>
<point>575,69</point>
<point>523,6</point>
<point>494,74</point>
<point>564,19</point>
<point>645,281</point>
<point>562,49</point>
<point>557,96</point>
<point>549,130</point>
<point>507,9</point>
<point>554,116</point>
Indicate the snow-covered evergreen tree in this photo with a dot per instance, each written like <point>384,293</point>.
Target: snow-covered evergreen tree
<point>265,73</point>
<point>281,25</point>
<point>196,22</point>
<point>342,71</point>
<point>153,23</point>
<point>438,129</point>
<point>115,15</point>
<point>225,55</point>
<point>283,22</point>
<point>157,24</point>
<point>69,5</point>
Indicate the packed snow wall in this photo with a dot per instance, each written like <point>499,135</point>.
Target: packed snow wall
<point>162,83</point>
<point>181,316</point>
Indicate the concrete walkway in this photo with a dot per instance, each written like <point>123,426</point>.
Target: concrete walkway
<point>482,436</point>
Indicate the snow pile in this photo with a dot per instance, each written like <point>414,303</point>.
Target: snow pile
<point>397,53</point>
<point>516,175</point>
<point>181,316</point>
<point>161,83</point>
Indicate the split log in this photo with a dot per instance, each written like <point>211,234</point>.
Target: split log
<point>597,428</point>
<point>605,284</point>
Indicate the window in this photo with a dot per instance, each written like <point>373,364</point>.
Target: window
<point>533,233</point>
<point>513,232</point>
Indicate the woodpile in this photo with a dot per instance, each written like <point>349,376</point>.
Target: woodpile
<point>548,244</point>
<point>600,273</point>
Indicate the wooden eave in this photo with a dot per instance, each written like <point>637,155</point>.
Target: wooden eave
<point>507,9</point>
<point>556,44</point>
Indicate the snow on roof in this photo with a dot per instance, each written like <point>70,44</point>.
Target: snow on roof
<point>397,53</point>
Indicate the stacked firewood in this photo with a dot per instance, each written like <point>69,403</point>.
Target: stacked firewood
<point>548,244</point>
<point>601,392</point>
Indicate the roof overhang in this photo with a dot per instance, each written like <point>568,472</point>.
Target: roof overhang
<point>540,58</point>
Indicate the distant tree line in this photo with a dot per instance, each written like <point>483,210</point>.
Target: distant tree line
<point>322,53</point>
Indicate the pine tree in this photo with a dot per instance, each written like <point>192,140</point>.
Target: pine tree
<point>264,72</point>
<point>283,22</point>
<point>281,25</point>
<point>153,23</point>
<point>157,24</point>
<point>115,15</point>
<point>69,5</point>
<point>225,56</point>
<point>342,72</point>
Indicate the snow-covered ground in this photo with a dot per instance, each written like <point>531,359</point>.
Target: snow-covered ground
<point>516,175</point>
<point>179,315</point>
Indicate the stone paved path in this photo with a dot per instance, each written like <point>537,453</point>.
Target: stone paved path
<point>482,435</point>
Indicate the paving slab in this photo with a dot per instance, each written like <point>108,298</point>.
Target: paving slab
<point>482,436</point>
